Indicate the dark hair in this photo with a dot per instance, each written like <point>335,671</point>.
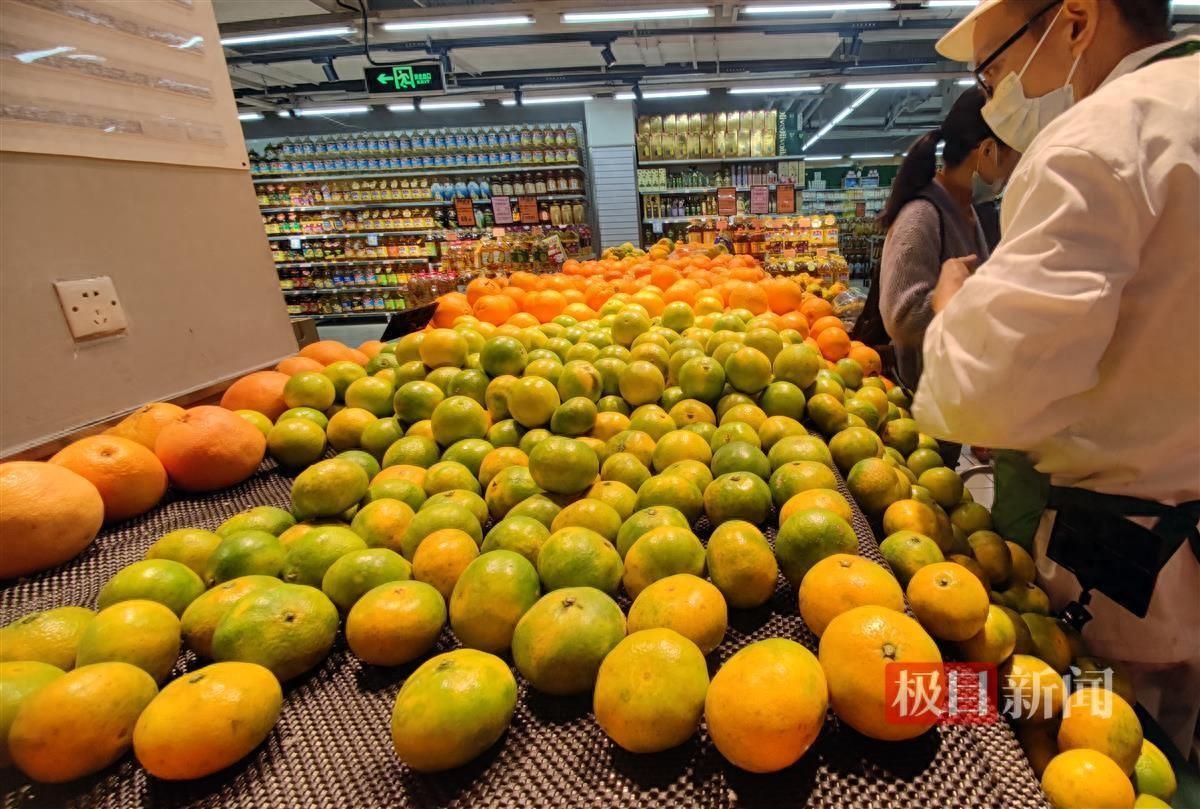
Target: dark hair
<point>962,131</point>
<point>1147,19</point>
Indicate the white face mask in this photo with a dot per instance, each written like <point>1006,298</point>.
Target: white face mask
<point>983,191</point>
<point>1015,119</point>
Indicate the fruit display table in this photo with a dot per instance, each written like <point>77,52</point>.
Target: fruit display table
<point>332,745</point>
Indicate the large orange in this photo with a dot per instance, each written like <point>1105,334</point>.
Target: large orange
<point>822,323</point>
<point>48,514</point>
<point>144,424</point>
<point>210,448</point>
<point>261,391</point>
<point>371,348</point>
<point>330,351</point>
<point>868,358</point>
<point>450,307</point>
<point>525,280</point>
<point>580,311</point>
<point>794,320</point>
<point>494,309</point>
<point>545,305</point>
<point>856,649</point>
<point>833,343</point>
<point>685,290</point>
<point>298,365</point>
<point>130,479</point>
<point>815,308</point>
<point>598,293</point>
<point>481,287</point>
<point>783,295</point>
<point>651,300</point>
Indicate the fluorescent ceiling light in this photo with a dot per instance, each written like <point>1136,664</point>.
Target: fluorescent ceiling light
<point>450,105</point>
<point>576,99</point>
<point>822,158</point>
<point>284,36</point>
<point>332,111</point>
<point>889,85</point>
<point>795,88</point>
<point>249,116</point>
<point>458,22</point>
<point>1185,3</point>
<point>403,106</point>
<point>965,82</point>
<point>837,119</point>
<point>651,94</point>
<point>951,3</point>
<point>872,156</point>
<point>634,14</point>
<point>815,8</point>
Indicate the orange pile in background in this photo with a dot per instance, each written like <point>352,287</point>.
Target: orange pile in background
<point>706,284</point>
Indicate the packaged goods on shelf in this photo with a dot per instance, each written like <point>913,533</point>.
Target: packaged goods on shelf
<point>532,145</point>
<point>404,202</point>
<point>707,135</point>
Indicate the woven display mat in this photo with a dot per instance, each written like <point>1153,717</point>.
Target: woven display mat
<point>332,745</point>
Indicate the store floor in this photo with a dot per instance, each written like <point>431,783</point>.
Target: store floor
<point>351,334</point>
<point>982,485</point>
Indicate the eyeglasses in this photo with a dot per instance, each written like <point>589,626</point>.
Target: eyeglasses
<point>1020,32</point>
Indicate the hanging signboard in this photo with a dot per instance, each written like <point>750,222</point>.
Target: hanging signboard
<point>758,199</point>
<point>502,210</point>
<point>785,198</point>
<point>727,201</point>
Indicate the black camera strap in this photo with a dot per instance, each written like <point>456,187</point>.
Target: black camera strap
<point>1095,539</point>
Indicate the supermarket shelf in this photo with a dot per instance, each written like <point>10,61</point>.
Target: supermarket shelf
<point>363,235</point>
<point>339,290</point>
<point>372,175</point>
<point>667,219</point>
<point>356,206</point>
<point>425,203</point>
<point>706,189</point>
<point>694,160</point>
<point>384,314</point>
<point>357,262</point>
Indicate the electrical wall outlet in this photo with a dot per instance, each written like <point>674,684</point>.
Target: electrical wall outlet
<point>91,307</point>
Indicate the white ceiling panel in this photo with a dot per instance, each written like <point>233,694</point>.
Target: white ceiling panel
<point>230,11</point>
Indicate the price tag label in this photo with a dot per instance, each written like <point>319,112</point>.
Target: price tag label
<point>758,199</point>
<point>656,226</point>
<point>464,212</point>
<point>785,198</point>
<point>294,243</point>
<point>373,239</point>
<point>502,210</point>
<point>727,201</point>
<point>529,210</point>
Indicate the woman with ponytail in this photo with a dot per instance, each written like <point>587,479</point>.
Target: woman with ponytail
<point>930,218</point>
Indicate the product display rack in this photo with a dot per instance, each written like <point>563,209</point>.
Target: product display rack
<point>334,208</point>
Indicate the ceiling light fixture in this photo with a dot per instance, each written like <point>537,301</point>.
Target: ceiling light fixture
<point>309,111</point>
<point>285,36</point>
<point>575,99</point>
<point>458,22</point>
<point>837,119</point>
<point>965,82</point>
<point>951,3</point>
<point>822,158</point>
<point>652,94</point>
<point>794,88</point>
<point>815,8</point>
<point>249,116</point>
<point>402,106</point>
<point>873,156</point>
<point>889,85</point>
<point>634,15</point>
<point>451,105</point>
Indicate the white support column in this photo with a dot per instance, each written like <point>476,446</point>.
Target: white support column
<point>613,157</point>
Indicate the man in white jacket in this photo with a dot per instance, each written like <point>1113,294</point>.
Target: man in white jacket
<point>1078,342</point>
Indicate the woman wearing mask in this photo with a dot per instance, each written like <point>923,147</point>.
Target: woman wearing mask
<point>930,218</point>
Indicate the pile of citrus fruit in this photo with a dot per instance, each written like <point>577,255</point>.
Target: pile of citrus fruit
<point>578,473</point>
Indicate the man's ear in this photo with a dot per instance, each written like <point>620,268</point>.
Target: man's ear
<point>1081,18</point>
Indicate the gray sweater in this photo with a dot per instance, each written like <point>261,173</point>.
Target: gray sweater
<point>913,253</point>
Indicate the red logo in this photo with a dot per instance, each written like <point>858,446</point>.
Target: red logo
<point>942,693</point>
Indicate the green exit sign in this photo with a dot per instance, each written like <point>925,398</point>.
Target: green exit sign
<point>404,79</point>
